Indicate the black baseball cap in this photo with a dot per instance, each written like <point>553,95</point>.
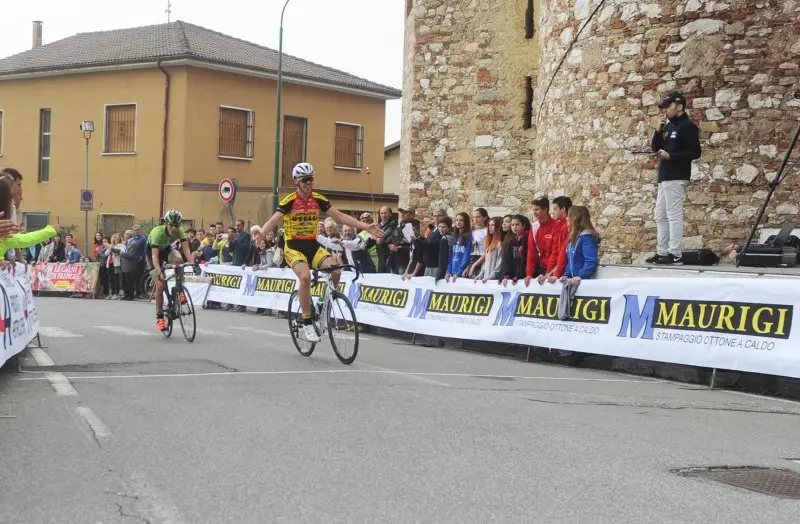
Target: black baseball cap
<point>674,96</point>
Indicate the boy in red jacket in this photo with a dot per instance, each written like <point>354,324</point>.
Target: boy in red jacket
<point>561,207</point>
<point>542,241</point>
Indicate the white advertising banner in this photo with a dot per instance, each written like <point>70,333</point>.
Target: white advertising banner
<point>735,324</point>
<point>197,286</point>
<point>19,322</point>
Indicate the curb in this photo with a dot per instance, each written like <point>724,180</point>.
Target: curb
<point>756,383</point>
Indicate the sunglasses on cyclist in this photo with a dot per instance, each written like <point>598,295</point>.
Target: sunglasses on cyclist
<point>307,179</point>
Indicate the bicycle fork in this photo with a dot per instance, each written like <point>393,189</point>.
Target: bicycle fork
<point>321,313</point>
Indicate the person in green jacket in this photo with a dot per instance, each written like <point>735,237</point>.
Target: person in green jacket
<point>12,238</point>
<point>366,217</point>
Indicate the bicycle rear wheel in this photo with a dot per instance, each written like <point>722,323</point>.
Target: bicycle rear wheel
<point>147,286</point>
<point>343,328</point>
<point>186,311</point>
<point>295,315</point>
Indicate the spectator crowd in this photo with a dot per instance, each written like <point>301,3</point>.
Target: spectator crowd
<point>560,244</point>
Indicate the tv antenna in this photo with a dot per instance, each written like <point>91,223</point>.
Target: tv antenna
<point>168,10</point>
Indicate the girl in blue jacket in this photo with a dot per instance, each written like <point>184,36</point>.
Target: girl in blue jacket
<point>582,246</point>
<point>461,250</point>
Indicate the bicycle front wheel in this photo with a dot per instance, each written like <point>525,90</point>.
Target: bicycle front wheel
<point>168,312</point>
<point>343,328</point>
<point>168,318</point>
<point>186,316</point>
<point>295,315</point>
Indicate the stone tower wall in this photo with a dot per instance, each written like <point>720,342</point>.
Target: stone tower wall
<point>464,144</point>
<point>737,61</point>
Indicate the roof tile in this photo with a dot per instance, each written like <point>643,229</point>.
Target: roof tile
<point>172,41</point>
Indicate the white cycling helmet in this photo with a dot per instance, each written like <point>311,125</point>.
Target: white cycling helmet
<point>302,170</point>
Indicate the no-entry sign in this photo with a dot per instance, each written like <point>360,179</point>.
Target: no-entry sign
<point>226,190</point>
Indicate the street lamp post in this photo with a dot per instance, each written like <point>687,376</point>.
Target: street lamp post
<point>276,174</point>
<point>87,128</point>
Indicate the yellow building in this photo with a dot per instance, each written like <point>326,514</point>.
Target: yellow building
<point>391,168</point>
<point>176,109</point>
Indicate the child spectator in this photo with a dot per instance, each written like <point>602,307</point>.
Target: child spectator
<point>561,207</point>
<point>480,217</point>
<point>581,246</point>
<point>492,260</point>
<point>432,255</point>
<point>506,230</point>
<point>429,225</point>
<point>263,256</point>
<point>446,241</point>
<point>461,250</point>
<point>72,254</point>
<point>543,241</point>
<point>515,246</point>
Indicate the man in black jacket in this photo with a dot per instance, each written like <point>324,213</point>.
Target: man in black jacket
<point>676,144</point>
<point>386,263</point>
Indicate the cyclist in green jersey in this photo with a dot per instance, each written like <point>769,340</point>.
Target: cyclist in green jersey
<point>160,250</point>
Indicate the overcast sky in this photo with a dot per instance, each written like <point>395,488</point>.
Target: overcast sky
<point>362,37</point>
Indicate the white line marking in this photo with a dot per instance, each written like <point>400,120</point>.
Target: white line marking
<point>99,429</point>
<point>61,385</point>
<point>41,358</point>
<point>761,397</point>
<point>123,330</point>
<point>58,381</point>
<point>57,332</point>
<point>409,375</point>
<point>321,371</point>
<point>202,331</point>
<point>261,331</point>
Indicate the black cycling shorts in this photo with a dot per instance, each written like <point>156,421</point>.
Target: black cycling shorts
<point>163,255</point>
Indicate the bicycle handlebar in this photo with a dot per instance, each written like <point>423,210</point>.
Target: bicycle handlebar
<point>331,269</point>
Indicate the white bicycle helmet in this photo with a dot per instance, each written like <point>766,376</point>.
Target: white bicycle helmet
<point>302,170</point>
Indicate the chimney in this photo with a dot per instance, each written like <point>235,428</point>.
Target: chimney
<point>37,34</point>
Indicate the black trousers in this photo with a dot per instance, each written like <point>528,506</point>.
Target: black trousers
<point>104,281</point>
<point>129,284</point>
<point>113,277</point>
<point>138,277</point>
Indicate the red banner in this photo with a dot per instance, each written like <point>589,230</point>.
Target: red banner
<point>67,278</point>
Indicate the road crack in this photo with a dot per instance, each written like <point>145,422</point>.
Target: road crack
<point>122,513</point>
<point>94,436</point>
<point>128,500</point>
<point>664,407</point>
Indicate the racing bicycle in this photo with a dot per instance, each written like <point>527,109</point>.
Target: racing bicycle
<point>176,310</point>
<point>332,313</point>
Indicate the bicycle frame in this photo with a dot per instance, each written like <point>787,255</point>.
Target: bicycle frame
<point>322,313</point>
<point>176,275</point>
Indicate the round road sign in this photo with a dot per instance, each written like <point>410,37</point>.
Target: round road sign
<point>226,191</point>
<point>86,195</point>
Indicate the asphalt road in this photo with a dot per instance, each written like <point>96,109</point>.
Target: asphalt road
<point>239,428</point>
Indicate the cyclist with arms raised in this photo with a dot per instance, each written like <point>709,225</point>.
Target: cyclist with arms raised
<point>299,213</point>
<point>160,250</point>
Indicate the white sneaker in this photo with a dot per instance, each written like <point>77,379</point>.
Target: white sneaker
<point>310,333</point>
